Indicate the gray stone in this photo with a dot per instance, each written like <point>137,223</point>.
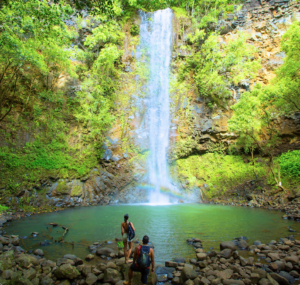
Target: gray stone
<point>91,279</point>
<point>39,252</point>
<point>112,276</point>
<point>274,256</point>
<point>242,244</point>
<point>66,271</point>
<point>287,276</point>
<point>201,256</point>
<point>278,278</point>
<point>226,253</point>
<point>227,244</point>
<point>189,282</point>
<point>171,264</point>
<point>104,251</point>
<point>262,273</point>
<point>187,273</point>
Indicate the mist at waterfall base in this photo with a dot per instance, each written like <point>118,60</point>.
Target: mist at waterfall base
<point>155,51</point>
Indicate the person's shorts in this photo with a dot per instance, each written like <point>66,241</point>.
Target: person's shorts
<point>144,272</point>
<point>125,238</point>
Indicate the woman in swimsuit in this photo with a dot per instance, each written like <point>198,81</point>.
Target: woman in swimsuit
<point>125,238</point>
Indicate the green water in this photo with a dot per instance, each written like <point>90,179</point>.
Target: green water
<point>167,226</point>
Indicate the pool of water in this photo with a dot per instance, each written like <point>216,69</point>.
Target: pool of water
<point>167,226</point>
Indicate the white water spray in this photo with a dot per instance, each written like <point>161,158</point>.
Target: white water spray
<point>156,44</point>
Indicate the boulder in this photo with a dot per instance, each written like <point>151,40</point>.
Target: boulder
<point>262,273</point>
<point>112,276</point>
<point>254,277</point>
<point>90,257</point>
<point>189,282</point>
<point>111,265</point>
<point>242,244</point>
<point>227,244</point>
<point>70,256</point>
<point>187,273</point>
<point>278,278</point>
<point>293,259</point>
<point>226,253</point>
<point>6,274</point>
<point>39,252</point>
<point>274,256</point>
<point>66,271</point>
<point>30,273</point>
<point>171,264</point>
<point>201,256</point>
<point>287,276</point>
<point>91,279</point>
<point>104,251</point>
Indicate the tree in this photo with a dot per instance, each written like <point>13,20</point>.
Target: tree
<point>33,43</point>
<point>256,123</point>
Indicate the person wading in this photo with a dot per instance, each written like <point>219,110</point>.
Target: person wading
<point>126,239</point>
<point>143,257</point>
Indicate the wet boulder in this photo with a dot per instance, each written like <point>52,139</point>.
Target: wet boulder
<point>66,271</point>
<point>39,252</point>
<point>187,273</point>
<point>104,251</point>
<point>227,244</point>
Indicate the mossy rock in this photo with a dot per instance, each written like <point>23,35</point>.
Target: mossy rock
<point>62,187</point>
<point>76,190</point>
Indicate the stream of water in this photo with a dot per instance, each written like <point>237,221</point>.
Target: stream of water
<point>156,46</point>
<point>167,226</point>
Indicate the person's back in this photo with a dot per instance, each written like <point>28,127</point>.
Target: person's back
<point>126,238</point>
<point>143,257</point>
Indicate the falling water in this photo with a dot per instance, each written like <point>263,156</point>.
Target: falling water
<point>156,45</point>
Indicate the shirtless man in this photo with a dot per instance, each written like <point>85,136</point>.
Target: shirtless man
<point>125,238</point>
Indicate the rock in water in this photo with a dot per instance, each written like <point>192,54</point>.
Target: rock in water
<point>227,244</point>
<point>104,251</point>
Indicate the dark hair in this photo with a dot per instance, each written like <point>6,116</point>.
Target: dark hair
<point>145,239</point>
<point>126,217</point>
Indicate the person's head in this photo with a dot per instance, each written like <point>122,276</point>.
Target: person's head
<point>145,239</point>
<point>126,218</point>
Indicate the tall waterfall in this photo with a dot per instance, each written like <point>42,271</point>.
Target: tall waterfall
<point>156,46</point>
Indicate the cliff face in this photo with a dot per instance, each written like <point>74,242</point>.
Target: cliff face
<point>195,128</point>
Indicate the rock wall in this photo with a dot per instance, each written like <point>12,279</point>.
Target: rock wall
<point>198,128</point>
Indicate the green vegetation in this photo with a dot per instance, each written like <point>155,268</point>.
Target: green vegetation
<point>219,173</point>
<point>257,114</point>
<point>290,164</point>
<point>217,66</point>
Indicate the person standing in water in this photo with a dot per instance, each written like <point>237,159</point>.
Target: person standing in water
<point>125,238</point>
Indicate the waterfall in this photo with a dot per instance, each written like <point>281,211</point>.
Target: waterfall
<point>155,51</point>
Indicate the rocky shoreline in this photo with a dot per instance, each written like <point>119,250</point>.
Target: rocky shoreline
<point>237,262</point>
